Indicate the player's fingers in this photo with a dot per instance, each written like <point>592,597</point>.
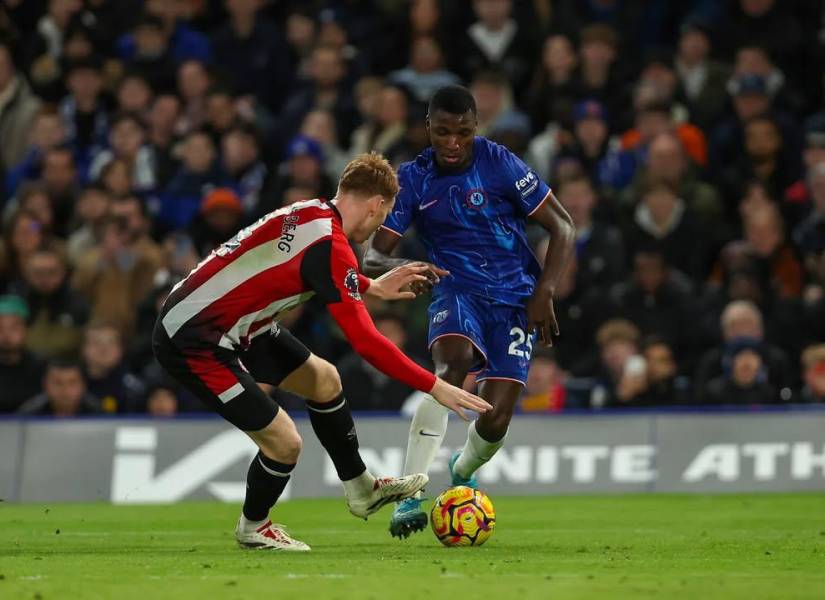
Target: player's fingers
<point>456,408</point>
<point>439,271</point>
<point>404,296</point>
<point>475,403</point>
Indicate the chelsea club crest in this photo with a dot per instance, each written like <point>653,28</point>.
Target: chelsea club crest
<point>475,199</point>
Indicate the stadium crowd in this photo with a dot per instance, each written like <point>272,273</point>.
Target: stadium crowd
<point>686,139</point>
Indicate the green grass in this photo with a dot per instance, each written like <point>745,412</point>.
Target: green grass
<point>743,546</point>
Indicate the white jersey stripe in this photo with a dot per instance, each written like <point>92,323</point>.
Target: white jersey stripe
<point>248,265</point>
<point>232,338</point>
<point>233,392</point>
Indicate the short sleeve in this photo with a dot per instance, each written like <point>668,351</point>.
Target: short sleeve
<point>525,188</point>
<point>401,215</point>
<point>330,269</point>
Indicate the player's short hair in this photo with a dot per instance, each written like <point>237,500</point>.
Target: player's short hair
<point>454,99</point>
<point>370,175</point>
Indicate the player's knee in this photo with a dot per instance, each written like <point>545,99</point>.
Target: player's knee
<point>291,447</point>
<point>455,369</point>
<point>328,383</point>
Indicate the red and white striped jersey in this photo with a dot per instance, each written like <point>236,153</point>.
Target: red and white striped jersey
<point>280,261</point>
<point>236,292</point>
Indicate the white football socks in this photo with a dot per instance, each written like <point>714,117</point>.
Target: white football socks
<point>426,434</point>
<point>359,486</point>
<point>249,526</point>
<point>476,452</point>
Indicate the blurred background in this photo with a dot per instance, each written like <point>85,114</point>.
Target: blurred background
<point>685,137</point>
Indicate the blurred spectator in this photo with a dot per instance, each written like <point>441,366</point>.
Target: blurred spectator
<point>150,55</point>
<point>301,33</point>
<point>56,313</point>
<point>326,91</point>
<point>33,198</point>
<point>126,142</point>
<point>18,108</point>
<point>184,43</point>
<point>386,134</point>
<point>250,50</point>
<point>45,48</point>
<point>663,219</point>
<point>618,342</point>
<point>134,94</point>
<point>600,255</point>
<point>161,400</point>
<point>320,126</point>
<point>702,79</point>
<point>199,172</point>
<point>495,41</point>
<point>220,218</point>
<point>23,234</point>
<point>64,393</point>
<point>59,176</point>
<point>494,102</point>
<point>544,390</point>
<point>193,83</point>
<point>92,206</point>
<point>651,378</point>
<point>813,374</point>
<point>161,136</point>
<point>367,388</point>
<point>813,154</point>
<point>763,159</point>
<point>84,114</point>
<point>777,259</point>
<point>598,76</point>
<point>116,275</point>
<point>46,132</point>
<point>241,161</point>
<point>105,371</point>
<point>425,73</point>
<point>741,322</point>
<point>809,235</point>
<point>303,167</point>
<point>744,379</point>
<point>657,300</point>
<point>552,92</point>
<point>21,371</point>
<point>220,114</point>
<point>667,161</point>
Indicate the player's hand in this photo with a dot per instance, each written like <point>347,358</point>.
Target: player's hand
<point>541,316</point>
<point>433,275</point>
<point>396,284</point>
<point>457,399</point>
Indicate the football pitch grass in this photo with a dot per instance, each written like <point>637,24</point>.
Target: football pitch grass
<point>735,546</point>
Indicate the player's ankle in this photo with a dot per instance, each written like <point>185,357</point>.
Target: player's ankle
<point>359,486</point>
<point>251,525</point>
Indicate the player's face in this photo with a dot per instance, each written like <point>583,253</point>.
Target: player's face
<point>377,210</point>
<point>451,136</point>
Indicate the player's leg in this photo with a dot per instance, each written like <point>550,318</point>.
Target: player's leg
<point>509,346</point>
<point>456,347</point>
<point>486,434</point>
<point>281,359</point>
<point>216,377</point>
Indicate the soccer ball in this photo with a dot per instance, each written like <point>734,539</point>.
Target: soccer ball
<point>462,516</point>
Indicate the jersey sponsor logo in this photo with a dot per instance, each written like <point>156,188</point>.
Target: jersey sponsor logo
<point>475,199</point>
<point>351,283</point>
<point>440,316</point>
<point>527,184</point>
<point>285,241</point>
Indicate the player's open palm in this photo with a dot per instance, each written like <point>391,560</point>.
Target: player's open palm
<point>457,399</point>
<point>396,284</point>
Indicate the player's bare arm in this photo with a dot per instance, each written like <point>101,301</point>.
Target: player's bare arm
<point>541,315</point>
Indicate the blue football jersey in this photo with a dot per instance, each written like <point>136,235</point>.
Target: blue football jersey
<point>472,222</point>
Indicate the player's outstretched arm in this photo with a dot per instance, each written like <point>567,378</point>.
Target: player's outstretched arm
<point>397,284</point>
<point>379,260</point>
<point>540,312</point>
<point>366,340</point>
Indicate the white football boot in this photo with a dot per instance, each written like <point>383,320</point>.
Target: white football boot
<point>386,490</point>
<point>269,536</point>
